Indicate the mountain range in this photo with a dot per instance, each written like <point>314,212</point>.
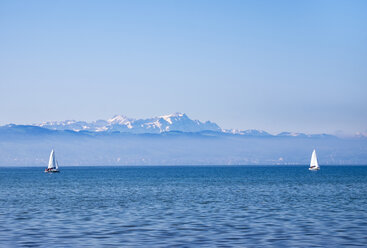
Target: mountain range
<point>169,140</point>
<point>177,122</point>
<point>165,123</point>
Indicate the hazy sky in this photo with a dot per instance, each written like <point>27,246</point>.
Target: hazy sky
<point>271,65</point>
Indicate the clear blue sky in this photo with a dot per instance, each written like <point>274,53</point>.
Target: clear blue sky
<point>271,65</point>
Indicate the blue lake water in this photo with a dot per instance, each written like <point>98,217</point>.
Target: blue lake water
<point>184,207</point>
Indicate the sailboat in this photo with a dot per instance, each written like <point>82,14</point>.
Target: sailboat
<point>314,165</point>
<point>53,165</point>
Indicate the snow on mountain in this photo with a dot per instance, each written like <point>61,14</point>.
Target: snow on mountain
<point>291,134</point>
<point>97,126</point>
<point>303,135</point>
<point>165,123</point>
<point>249,132</point>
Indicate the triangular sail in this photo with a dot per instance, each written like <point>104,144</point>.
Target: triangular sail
<point>57,165</point>
<point>52,161</point>
<point>314,163</point>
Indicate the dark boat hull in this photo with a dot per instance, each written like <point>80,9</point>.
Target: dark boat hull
<point>52,171</point>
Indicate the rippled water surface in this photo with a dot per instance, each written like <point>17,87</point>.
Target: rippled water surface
<point>183,206</point>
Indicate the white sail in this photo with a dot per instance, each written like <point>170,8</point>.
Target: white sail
<point>314,164</point>
<point>57,165</point>
<point>52,161</point>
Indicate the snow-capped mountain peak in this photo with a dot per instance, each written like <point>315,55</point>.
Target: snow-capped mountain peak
<point>173,117</point>
<point>119,119</point>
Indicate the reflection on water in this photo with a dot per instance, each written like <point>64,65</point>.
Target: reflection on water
<point>183,206</point>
